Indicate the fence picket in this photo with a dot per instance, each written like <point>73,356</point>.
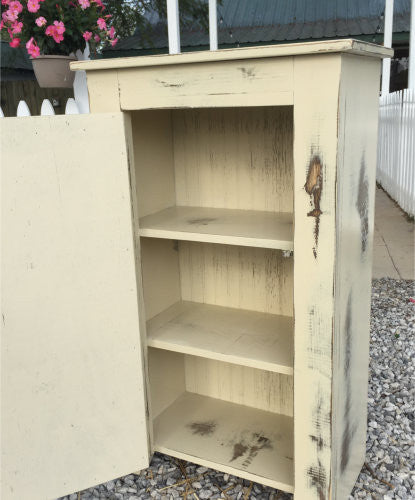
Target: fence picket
<point>396,147</point>
<point>71,107</point>
<point>1,113</point>
<point>47,108</point>
<point>23,109</point>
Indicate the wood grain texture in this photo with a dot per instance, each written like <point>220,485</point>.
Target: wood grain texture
<point>237,336</point>
<point>239,158</point>
<point>251,228</point>
<point>246,442</point>
<point>258,82</point>
<point>71,357</point>
<point>154,161</point>
<point>256,279</point>
<point>316,89</point>
<point>240,384</point>
<point>283,50</point>
<point>161,275</point>
<point>358,108</point>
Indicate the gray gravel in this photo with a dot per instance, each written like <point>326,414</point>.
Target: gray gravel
<point>390,454</point>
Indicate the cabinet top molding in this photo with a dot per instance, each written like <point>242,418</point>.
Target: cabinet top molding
<point>349,46</point>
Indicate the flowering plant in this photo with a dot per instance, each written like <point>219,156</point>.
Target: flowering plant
<point>58,27</point>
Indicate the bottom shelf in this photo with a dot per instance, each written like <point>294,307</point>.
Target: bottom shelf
<point>239,440</point>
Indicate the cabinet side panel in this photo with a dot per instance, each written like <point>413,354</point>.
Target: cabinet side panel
<point>238,158</point>
<point>256,279</point>
<point>153,153</point>
<point>104,95</point>
<point>358,104</point>
<point>316,84</point>
<point>239,384</point>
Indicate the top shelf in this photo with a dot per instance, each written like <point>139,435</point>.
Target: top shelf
<point>224,226</point>
<point>283,50</point>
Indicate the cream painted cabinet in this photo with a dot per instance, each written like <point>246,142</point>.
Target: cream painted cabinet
<point>217,311</point>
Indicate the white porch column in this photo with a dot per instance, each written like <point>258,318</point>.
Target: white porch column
<point>213,25</point>
<point>387,42</point>
<point>173,26</point>
<point>411,66</point>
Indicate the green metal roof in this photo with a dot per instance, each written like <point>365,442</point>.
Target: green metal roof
<point>245,22</point>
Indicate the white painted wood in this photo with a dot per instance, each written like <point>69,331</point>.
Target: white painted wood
<point>71,107</point>
<point>315,159</point>
<point>23,109</point>
<point>387,42</point>
<point>73,402</point>
<point>290,49</point>
<point>213,25</point>
<point>355,196</point>
<point>256,388</point>
<point>411,65</point>
<point>255,279</point>
<point>235,336</point>
<point>1,113</point>
<point>173,26</point>
<point>224,226</point>
<point>246,442</point>
<point>396,147</point>
<point>237,158</point>
<point>47,108</point>
<point>262,82</point>
<point>80,87</point>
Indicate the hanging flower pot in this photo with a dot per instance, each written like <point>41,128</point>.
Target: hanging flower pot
<point>54,71</point>
<point>52,30</point>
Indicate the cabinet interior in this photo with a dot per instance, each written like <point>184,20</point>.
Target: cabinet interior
<point>215,201</point>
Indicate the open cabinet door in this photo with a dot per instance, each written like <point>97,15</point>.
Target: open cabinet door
<point>73,404</point>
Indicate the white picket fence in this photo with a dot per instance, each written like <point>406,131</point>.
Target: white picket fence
<point>396,147</point>
<point>71,108</point>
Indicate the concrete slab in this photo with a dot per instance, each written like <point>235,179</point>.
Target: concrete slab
<point>393,244</point>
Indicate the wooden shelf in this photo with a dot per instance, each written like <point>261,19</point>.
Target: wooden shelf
<point>217,225</point>
<point>246,442</point>
<point>257,340</point>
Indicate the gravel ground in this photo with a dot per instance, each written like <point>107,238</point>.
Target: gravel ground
<point>390,454</point>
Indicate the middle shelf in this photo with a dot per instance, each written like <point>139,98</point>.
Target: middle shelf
<point>248,338</point>
<point>219,225</point>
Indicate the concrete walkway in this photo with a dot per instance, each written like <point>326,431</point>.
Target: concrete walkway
<point>393,244</point>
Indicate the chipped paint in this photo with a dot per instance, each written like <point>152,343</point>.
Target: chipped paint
<point>247,448</point>
<point>349,427</point>
<point>362,205</point>
<point>238,451</point>
<point>314,187</point>
<point>247,72</point>
<point>203,428</point>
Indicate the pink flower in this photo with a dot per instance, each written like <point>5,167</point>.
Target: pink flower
<point>56,31</point>
<point>84,4</point>
<point>97,38</point>
<point>40,21</point>
<point>9,16</point>
<point>111,32</point>
<point>16,7</point>
<point>15,42</point>
<point>17,27</point>
<point>33,5</point>
<point>32,48</point>
<point>114,42</point>
<point>5,2</point>
<point>87,35</point>
<point>102,25</point>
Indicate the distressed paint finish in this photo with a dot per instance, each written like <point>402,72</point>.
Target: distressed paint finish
<point>315,159</point>
<point>358,111</point>
<point>334,141</point>
<point>268,82</point>
<point>73,397</point>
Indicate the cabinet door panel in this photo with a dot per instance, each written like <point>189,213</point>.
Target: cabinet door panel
<point>73,411</point>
